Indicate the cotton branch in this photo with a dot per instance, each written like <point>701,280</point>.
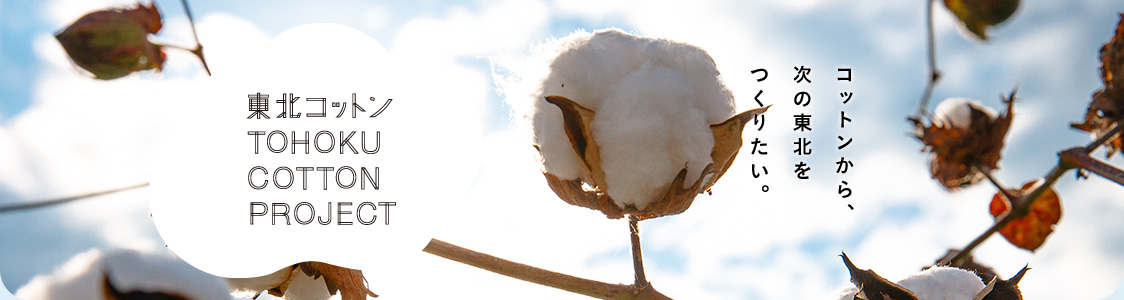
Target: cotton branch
<point>43,203</point>
<point>934,74</point>
<point>637,258</point>
<point>198,50</point>
<point>591,288</point>
<point>1074,158</point>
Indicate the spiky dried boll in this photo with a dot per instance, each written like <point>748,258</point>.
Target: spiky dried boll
<point>963,138</point>
<point>1107,108</point>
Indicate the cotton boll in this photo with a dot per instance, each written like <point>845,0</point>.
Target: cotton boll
<point>654,100</point>
<point>935,283</point>
<point>648,133</point>
<point>305,288</point>
<point>943,283</point>
<point>957,112</point>
<point>301,287</point>
<point>128,271</point>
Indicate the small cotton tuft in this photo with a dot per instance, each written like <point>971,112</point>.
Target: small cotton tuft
<point>943,283</point>
<point>956,112</point>
<point>654,101</point>
<point>935,283</point>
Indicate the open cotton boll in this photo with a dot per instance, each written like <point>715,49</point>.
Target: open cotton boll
<point>301,287</point>
<point>654,101</point>
<point>957,112</point>
<point>935,283</point>
<point>943,283</point>
<point>128,271</point>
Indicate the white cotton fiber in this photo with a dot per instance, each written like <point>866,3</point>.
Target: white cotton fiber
<point>943,283</point>
<point>956,112</point>
<point>302,287</point>
<point>129,270</point>
<point>936,283</point>
<point>654,101</point>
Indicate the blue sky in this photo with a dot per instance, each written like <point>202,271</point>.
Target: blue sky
<point>738,244</point>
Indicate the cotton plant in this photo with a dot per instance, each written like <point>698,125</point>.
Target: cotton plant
<point>626,125</point>
<point>123,274</point>
<point>632,125</point>
<point>933,283</point>
<point>305,281</point>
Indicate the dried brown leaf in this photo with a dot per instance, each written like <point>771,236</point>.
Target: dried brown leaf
<point>349,283</point>
<point>113,43</point>
<point>977,15</point>
<point>1029,231</point>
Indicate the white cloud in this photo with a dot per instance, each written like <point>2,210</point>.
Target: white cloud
<point>506,26</point>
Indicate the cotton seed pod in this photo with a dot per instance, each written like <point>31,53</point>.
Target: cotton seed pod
<point>114,43</point>
<point>1107,108</point>
<point>932,283</point>
<point>631,125</point>
<point>977,15</point>
<point>963,137</point>
<point>727,143</point>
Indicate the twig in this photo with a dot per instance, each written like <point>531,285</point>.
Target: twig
<point>43,203</point>
<point>198,50</point>
<point>1069,159</point>
<point>1104,138</point>
<point>637,258</point>
<point>987,173</point>
<point>1080,158</point>
<point>934,74</point>
<point>531,274</point>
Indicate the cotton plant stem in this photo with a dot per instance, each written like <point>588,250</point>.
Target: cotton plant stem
<point>1069,159</point>
<point>1079,158</point>
<point>1104,138</point>
<point>44,203</point>
<point>1013,214</point>
<point>591,288</point>
<point>987,173</point>
<point>934,74</point>
<point>637,258</point>
<point>198,50</point>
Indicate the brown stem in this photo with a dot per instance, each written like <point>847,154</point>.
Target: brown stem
<point>1068,159</point>
<point>987,173</point>
<point>43,203</point>
<point>1016,212</point>
<point>198,50</point>
<point>637,258</point>
<point>1079,158</point>
<point>1104,138</point>
<point>531,274</point>
<point>934,74</point>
